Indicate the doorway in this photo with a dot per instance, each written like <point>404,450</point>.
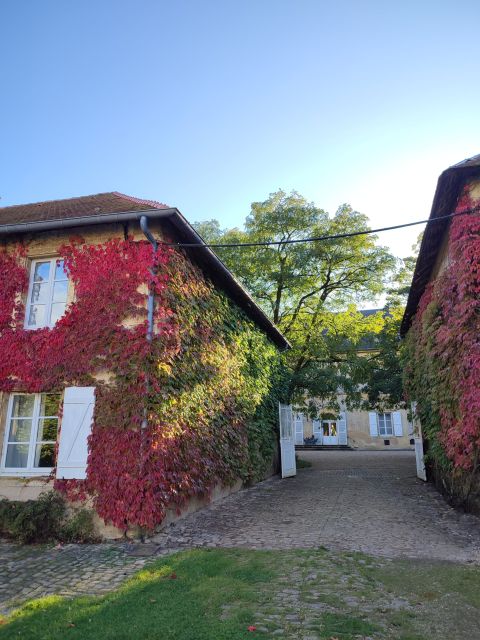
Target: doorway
<point>329,432</point>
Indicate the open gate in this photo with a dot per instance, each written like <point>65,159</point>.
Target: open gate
<point>287,441</point>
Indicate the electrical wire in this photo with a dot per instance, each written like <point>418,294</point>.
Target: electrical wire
<point>337,236</point>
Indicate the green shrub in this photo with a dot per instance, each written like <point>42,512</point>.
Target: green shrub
<point>34,520</point>
<point>79,527</point>
<point>44,520</point>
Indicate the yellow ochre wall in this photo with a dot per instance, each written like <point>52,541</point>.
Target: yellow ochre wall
<point>358,432</point>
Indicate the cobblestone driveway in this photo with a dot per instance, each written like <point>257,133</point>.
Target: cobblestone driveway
<point>356,501</point>
<point>370,502</point>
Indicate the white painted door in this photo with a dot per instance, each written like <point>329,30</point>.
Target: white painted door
<point>421,472</point>
<point>299,428</point>
<point>287,441</point>
<point>317,431</point>
<point>330,432</point>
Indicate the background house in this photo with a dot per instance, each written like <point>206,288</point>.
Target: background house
<point>441,325</point>
<point>359,429</point>
<point>135,375</point>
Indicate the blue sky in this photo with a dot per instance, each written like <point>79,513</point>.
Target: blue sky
<point>211,105</point>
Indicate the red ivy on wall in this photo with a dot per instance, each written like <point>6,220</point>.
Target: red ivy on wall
<point>194,381</point>
<point>443,348</point>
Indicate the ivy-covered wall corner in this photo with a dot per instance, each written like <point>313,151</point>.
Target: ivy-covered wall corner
<point>442,363</point>
<point>208,384</point>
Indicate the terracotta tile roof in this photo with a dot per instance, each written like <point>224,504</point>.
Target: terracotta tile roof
<point>100,203</point>
<point>64,214</point>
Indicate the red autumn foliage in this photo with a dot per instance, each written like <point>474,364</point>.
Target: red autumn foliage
<point>196,434</point>
<point>445,336</point>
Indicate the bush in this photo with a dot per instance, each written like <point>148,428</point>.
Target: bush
<point>44,520</point>
<point>34,520</point>
<point>79,527</point>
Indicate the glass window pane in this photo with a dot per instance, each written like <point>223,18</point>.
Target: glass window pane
<point>20,430</point>
<point>325,428</point>
<point>44,455</point>
<point>36,317</point>
<point>42,271</point>
<point>23,406</point>
<point>60,273</point>
<point>17,456</point>
<point>58,310</point>
<point>333,429</point>
<point>49,404</point>
<point>60,291</point>
<point>47,430</point>
<point>39,293</point>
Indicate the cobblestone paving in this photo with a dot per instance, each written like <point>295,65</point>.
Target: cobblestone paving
<point>34,571</point>
<point>355,501</point>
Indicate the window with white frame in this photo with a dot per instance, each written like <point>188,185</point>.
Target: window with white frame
<point>31,433</point>
<point>47,293</point>
<point>385,424</point>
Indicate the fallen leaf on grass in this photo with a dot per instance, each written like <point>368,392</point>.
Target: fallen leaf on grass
<point>173,576</point>
<point>252,628</point>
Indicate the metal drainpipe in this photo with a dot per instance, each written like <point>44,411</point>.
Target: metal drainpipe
<point>150,302</point>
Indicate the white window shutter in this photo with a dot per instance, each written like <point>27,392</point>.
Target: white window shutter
<point>342,428</point>
<point>397,423</point>
<point>78,404</point>
<point>372,418</point>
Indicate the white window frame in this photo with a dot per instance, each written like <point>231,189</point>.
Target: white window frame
<point>330,423</point>
<point>385,435</point>
<point>29,470</point>
<point>48,304</point>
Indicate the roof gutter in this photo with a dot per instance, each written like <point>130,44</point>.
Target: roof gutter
<point>204,256</point>
<point>82,221</point>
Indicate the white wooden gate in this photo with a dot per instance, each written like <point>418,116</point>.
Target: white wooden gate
<point>421,471</point>
<point>417,428</point>
<point>287,441</point>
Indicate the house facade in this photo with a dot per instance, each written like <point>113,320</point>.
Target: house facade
<point>357,429</point>
<point>441,326</point>
<point>136,375</point>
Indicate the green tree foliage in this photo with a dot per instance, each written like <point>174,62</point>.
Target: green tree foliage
<point>380,369</point>
<point>310,290</point>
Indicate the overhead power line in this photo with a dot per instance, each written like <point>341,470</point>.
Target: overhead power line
<point>337,236</point>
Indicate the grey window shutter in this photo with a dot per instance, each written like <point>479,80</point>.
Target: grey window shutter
<point>397,423</point>
<point>372,418</point>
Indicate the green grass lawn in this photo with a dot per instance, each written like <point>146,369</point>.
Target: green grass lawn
<point>218,594</point>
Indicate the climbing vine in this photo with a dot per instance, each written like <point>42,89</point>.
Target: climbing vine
<point>442,355</point>
<point>206,384</point>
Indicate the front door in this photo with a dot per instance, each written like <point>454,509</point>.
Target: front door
<point>330,433</point>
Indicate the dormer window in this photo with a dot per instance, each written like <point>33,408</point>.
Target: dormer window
<point>47,293</point>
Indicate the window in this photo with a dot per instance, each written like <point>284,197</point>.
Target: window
<point>47,293</point>
<point>31,432</point>
<point>385,424</point>
<point>329,428</point>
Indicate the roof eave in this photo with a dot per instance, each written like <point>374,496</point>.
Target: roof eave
<point>448,190</point>
<point>203,255</point>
